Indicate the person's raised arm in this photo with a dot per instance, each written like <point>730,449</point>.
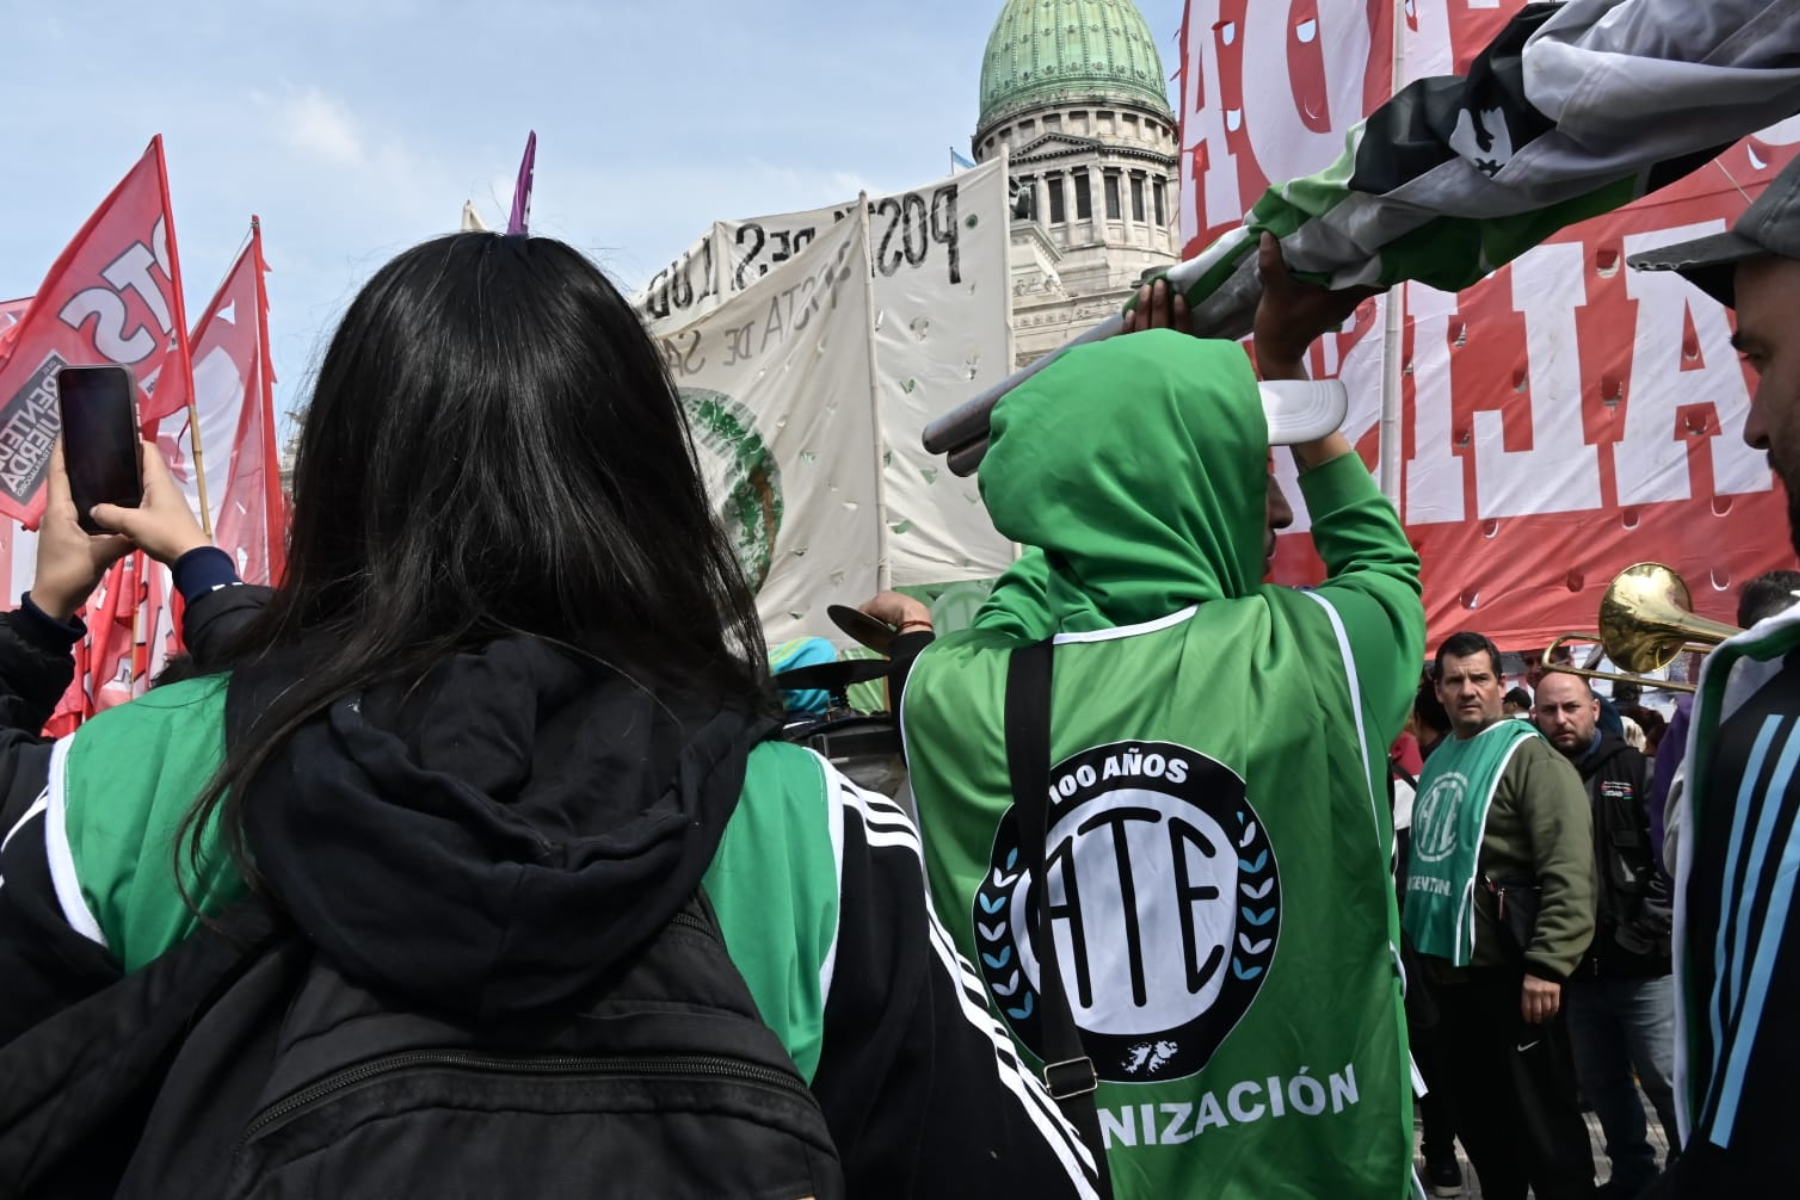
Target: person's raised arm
<point>37,638</point>
<point>1373,570</point>
<point>163,526</point>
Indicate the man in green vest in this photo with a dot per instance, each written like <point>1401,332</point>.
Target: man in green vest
<point>1216,882</point>
<point>1500,902</point>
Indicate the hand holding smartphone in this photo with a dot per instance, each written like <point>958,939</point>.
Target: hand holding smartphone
<point>99,407</point>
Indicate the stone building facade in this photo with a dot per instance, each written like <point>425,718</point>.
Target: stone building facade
<point>1075,93</point>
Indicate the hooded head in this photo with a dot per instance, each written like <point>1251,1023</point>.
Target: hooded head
<point>1138,464</point>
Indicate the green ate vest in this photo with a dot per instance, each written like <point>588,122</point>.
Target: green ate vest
<point>1219,875</point>
<point>1455,791</point>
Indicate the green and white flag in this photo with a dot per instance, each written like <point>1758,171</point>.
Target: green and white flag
<point>1575,110</point>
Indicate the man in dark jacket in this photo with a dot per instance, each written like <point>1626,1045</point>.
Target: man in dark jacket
<point>1621,999</point>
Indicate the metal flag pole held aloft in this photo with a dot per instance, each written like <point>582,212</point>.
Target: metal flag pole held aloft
<point>962,435</point>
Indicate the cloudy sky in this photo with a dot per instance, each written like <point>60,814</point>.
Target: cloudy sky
<point>357,127</point>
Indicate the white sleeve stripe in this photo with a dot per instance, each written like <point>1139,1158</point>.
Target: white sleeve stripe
<point>834,823</point>
<point>1071,1151</point>
<point>874,803</point>
<point>1356,709</point>
<point>904,842</point>
<point>37,806</point>
<point>896,831</point>
<point>886,824</point>
<point>56,848</point>
<point>1058,1134</point>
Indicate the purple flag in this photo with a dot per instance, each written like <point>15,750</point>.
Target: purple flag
<point>521,210</point>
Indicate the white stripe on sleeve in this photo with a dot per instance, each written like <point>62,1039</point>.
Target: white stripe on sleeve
<point>56,848</point>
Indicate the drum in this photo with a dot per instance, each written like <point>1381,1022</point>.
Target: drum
<point>866,749</point>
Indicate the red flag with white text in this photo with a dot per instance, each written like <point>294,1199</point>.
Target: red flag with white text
<point>114,663</point>
<point>114,296</point>
<point>233,397</point>
<point>1559,420</point>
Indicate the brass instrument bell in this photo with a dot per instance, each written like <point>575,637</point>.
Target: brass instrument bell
<point>1647,621</point>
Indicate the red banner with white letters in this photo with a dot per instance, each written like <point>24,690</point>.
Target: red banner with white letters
<point>134,618</point>
<point>233,399</point>
<point>1562,419</point>
<point>114,296</point>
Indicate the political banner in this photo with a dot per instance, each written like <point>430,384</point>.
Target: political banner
<point>1561,419</point>
<point>233,380</point>
<point>941,276</point>
<point>114,296</point>
<point>778,387</point>
<point>133,617</point>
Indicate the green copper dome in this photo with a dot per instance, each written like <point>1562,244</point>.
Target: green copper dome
<point>1052,51</point>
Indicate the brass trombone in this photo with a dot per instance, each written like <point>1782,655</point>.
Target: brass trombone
<point>1647,621</point>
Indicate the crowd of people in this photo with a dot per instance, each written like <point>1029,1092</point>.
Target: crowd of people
<point>468,861</point>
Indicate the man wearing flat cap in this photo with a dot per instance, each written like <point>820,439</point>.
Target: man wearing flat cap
<point>1737,922</point>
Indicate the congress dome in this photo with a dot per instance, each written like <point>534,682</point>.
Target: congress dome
<point>1055,52</point>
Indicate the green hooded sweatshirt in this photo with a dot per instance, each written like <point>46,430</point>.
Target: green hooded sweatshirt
<point>1221,839</point>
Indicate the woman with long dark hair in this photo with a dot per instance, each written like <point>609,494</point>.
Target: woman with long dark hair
<point>479,804</point>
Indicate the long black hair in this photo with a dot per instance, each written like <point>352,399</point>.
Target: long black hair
<point>493,447</point>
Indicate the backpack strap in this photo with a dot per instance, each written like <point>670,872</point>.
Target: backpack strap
<point>1069,1072</point>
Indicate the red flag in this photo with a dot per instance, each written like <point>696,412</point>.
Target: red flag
<point>114,296</point>
<point>233,399</point>
<point>134,618</point>
<point>1559,420</point>
<point>120,653</point>
<point>11,313</point>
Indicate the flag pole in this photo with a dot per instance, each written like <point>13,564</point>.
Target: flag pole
<point>274,499</point>
<point>184,352</point>
<point>1012,335</point>
<point>1393,337</point>
<point>884,565</point>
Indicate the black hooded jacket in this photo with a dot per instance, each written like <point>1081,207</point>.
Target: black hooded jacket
<point>1631,937</point>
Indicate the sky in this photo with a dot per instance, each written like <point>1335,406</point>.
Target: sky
<point>355,128</point>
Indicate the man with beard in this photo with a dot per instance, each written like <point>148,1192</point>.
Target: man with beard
<point>1500,904</point>
<point>1737,938</point>
<point>1621,1001</point>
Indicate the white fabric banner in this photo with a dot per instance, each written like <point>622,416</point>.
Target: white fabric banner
<point>939,259</point>
<point>777,386</point>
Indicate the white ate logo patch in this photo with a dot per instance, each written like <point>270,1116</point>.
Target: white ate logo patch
<point>1435,814</point>
<point>1164,901</point>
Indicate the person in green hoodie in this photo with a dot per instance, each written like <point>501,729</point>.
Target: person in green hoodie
<point>1217,863</point>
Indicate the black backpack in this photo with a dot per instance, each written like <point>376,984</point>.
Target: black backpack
<point>243,1065</point>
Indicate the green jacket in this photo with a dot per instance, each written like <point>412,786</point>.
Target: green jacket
<point>1219,859</point>
<point>1540,827</point>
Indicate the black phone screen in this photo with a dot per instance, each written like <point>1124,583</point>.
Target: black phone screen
<point>100,438</point>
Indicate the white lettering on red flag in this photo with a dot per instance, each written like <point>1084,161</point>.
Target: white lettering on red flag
<point>1563,418</point>
<point>112,297</point>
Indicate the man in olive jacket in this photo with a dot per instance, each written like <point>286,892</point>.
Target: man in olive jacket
<point>1500,901</point>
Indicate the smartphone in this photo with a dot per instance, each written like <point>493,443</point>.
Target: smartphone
<point>100,438</point>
